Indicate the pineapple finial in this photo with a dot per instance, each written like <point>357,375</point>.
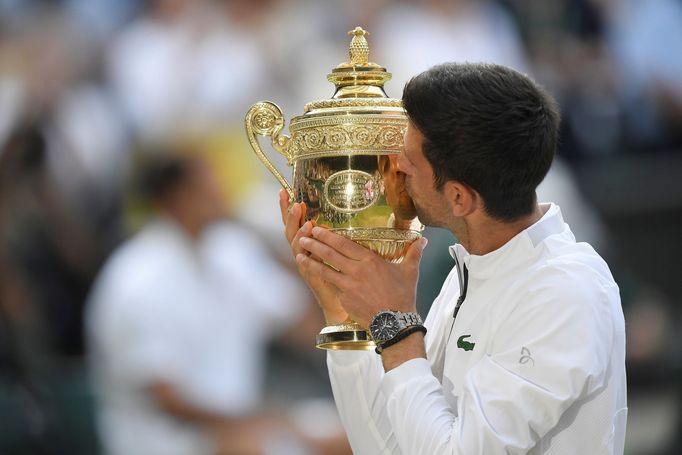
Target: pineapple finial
<point>359,49</point>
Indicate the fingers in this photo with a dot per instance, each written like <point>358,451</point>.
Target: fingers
<point>291,221</point>
<point>304,210</point>
<point>346,247</point>
<point>294,219</point>
<point>303,232</point>
<point>283,205</point>
<point>414,253</point>
<point>310,266</point>
<point>326,254</point>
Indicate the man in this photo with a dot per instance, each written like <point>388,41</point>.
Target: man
<point>525,345</point>
<point>178,321</point>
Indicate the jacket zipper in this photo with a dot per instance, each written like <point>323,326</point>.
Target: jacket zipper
<point>463,278</point>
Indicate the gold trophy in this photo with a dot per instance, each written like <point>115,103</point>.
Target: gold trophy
<point>343,151</point>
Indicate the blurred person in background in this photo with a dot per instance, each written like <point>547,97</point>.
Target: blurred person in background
<point>178,322</point>
<point>644,38</point>
<point>58,220</point>
<point>47,260</point>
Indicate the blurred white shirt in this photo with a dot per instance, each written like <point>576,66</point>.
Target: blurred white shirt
<point>195,314</point>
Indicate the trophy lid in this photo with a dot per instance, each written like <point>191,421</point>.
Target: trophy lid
<point>359,119</point>
<point>359,78</point>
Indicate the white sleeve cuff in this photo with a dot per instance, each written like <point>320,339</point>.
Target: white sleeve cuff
<point>400,376</point>
<point>344,359</point>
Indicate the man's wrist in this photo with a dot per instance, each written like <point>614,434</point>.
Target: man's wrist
<point>411,347</point>
<point>404,333</point>
<point>332,310</point>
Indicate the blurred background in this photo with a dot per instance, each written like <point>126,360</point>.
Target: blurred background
<point>90,90</point>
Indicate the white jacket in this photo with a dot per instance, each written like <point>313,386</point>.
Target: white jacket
<point>534,362</point>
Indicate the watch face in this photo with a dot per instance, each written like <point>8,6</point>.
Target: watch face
<point>384,326</point>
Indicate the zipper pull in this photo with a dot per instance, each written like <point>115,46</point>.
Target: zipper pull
<point>464,284</point>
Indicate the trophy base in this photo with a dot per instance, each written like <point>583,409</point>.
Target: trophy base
<point>347,336</point>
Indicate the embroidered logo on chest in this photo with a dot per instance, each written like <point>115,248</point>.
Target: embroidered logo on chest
<point>463,344</point>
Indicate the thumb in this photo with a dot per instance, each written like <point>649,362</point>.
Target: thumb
<point>414,253</point>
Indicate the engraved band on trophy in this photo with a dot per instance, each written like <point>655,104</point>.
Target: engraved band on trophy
<point>343,151</point>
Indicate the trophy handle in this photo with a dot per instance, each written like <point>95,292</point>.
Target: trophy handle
<point>266,119</point>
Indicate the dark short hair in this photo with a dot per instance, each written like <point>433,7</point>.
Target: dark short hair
<point>487,126</point>
<point>158,175</point>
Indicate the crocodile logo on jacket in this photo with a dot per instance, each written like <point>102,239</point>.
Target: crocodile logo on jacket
<point>463,344</point>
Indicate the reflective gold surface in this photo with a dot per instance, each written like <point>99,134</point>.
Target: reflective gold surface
<point>346,336</point>
<point>343,151</point>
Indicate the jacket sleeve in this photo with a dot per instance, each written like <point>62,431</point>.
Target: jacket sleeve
<point>356,378</point>
<point>550,351</point>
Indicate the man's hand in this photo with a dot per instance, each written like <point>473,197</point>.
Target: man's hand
<point>294,229</point>
<point>366,282</point>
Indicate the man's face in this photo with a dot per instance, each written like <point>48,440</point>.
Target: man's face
<point>200,194</point>
<point>431,205</point>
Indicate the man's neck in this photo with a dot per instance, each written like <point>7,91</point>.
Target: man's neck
<point>480,234</point>
<point>188,223</point>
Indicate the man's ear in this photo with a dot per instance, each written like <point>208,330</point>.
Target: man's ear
<point>463,199</point>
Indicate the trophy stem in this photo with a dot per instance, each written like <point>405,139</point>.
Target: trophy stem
<point>347,335</point>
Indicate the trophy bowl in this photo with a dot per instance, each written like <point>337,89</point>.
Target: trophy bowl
<point>343,151</point>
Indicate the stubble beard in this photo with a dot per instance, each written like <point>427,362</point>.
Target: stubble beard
<point>424,217</point>
<point>429,216</point>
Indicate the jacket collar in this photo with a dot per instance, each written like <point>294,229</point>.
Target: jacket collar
<point>515,251</point>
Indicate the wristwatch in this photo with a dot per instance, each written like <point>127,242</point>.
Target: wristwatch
<point>386,325</point>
